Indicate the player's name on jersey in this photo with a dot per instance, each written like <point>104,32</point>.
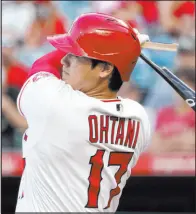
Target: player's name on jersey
<point>113,130</point>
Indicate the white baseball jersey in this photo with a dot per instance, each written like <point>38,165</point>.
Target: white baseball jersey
<point>79,150</point>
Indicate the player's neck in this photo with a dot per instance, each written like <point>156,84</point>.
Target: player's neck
<point>105,97</point>
<point>102,93</point>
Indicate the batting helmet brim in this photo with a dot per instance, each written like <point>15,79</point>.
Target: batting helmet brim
<point>66,44</point>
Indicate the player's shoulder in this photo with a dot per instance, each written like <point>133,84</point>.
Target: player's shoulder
<point>131,102</point>
<point>36,78</point>
<point>42,87</point>
<point>42,77</point>
<point>44,81</point>
<point>133,107</point>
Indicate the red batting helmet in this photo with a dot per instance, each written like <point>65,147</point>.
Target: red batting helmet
<point>101,37</point>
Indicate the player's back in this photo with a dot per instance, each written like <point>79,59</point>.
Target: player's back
<point>79,153</point>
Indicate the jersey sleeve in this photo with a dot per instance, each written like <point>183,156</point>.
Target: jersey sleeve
<point>44,81</point>
<point>38,94</point>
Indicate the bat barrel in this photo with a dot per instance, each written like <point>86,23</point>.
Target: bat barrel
<point>179,86</point>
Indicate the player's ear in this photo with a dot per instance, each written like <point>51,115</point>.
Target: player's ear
<point>106,70</point>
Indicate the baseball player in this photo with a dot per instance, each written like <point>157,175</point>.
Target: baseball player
<point>82,139</point>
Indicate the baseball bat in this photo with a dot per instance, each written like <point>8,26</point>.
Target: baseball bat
<point>160,46</point>
<point>178,85</point>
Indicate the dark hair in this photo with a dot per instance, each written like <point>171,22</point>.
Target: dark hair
<point>115,80</point>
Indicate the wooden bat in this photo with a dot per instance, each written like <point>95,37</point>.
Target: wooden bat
<point>160,46</point>
<point>178,85</point>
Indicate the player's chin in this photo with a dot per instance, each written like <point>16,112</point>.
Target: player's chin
<point>69,82</point>
<point>65,77</point>
<point>65,80</point>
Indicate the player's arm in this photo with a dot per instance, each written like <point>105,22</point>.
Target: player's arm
<point>50,63</point>
<point>43,84</point>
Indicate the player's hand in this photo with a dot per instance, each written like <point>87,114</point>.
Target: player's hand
<point>142,37</point>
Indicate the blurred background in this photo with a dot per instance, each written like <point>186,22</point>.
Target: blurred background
<point>163,179</point>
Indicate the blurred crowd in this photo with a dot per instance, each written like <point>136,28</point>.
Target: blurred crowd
<point>26,24</point>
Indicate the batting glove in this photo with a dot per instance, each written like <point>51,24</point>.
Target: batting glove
<point>142,37</point>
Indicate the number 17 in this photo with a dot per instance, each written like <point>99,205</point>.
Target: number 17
<point>121,159</point>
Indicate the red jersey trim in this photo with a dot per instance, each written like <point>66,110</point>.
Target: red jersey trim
<point>107,101</point>
<point>20,95</point>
